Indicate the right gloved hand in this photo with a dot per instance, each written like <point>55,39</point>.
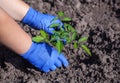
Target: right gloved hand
<point>38,20</point>
<point>45,57</point>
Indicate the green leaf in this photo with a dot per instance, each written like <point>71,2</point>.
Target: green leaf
<point>70,28</point>
<point>68,40</point>
<point>62,29</point>
<point>73,36</point>
<point>66,19</point>
<point>43,34</point>
<point>54,25</point>
<point>75,45</point>
<point>38,39</point>
<point>83,39</point>
<point>57,33</point>
<point>66,26</point>
<point>59,46</point>
<point>65,34</point>
<point>86,49</point>
<point>64,38</point>
<point>73,30</point>
<point>52,39</point>
<point>55,19</point>
<point>60,13</point>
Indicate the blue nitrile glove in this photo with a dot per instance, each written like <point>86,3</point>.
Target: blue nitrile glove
<point>45,57</point>
<point>37,20</point>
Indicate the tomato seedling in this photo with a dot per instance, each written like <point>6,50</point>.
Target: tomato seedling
<point>64,35</point>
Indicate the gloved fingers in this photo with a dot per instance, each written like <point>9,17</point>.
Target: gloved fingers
<point>49,30</point>
<point>58,63</point>
<point>45,69</point>
<point>63,60</point>
<point>53,67</point>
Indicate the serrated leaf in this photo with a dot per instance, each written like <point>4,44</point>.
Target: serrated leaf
<point>83,39</point>
<point>54,25</point>
<point>43,34</point>
<point>38,39</point>
<point>86,49</point>
<point>66,19</point>
<point>55,19</point>
<point>60,13</point>
<point>59,46</point>
<point>75,45</point>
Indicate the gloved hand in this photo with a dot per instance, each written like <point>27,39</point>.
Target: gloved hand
<point>38,20</point>
<point>45,57</point>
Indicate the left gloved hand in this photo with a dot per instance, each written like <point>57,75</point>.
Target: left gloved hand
<point>45,57</point>
<point>38,20</point>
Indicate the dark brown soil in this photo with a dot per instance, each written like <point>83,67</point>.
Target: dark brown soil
<point>97,19</point>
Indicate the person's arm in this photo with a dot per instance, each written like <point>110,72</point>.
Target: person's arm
<point>12,35</point>
<point>17,9</point>
<point>22,12</point>
<point>41,55</point>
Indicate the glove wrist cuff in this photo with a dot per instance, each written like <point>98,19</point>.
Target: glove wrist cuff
<point>30,50</point>
<point>32,16</point>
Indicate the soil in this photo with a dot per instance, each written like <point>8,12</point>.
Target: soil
<point>97,19</point>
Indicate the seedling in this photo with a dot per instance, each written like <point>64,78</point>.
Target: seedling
<point>64,35</point>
